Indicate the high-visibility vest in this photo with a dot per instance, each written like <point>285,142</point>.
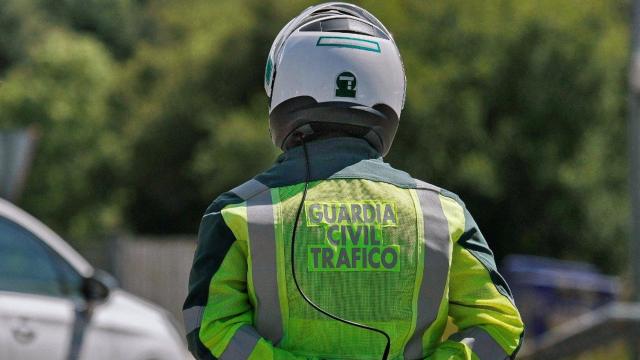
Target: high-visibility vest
<point>375,247</point>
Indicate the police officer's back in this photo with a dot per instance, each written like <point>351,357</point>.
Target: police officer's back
<point>332,253</point>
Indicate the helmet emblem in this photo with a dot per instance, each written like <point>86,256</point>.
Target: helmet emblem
<point>346,85</point>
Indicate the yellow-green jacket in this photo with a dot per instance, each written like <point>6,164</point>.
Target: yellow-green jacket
<point>373,245</point>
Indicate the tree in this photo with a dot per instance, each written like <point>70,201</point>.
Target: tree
<point>521,110</point>
<point>148,110</point>
<point>63,88</point>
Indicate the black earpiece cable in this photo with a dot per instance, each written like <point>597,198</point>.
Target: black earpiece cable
<point>385,355</point>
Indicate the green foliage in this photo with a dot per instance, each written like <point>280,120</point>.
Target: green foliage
<point>62,88</point>
<point>113,22</point>
<point>521,110</point>
<point>149,109</point>
<point>20,25</point>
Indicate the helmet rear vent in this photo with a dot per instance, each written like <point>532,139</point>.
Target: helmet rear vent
<point>345,25</point>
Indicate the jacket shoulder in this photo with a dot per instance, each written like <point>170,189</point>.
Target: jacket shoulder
<point>249,189</point>
<point>423,185</point>
<point>238,194</point>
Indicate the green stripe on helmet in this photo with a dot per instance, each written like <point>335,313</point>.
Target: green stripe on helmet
<point>349,42</point>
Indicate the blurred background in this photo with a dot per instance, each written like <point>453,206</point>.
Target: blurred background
<point>133,115</point>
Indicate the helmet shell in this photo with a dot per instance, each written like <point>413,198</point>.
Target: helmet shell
<point>356,65</point>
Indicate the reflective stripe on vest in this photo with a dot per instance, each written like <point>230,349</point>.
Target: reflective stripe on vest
<point>262,241</point>
<point>192,318</point>
<point>437,255</point>
<point>241,345</point>
<point>249,189</point>
<point>481,343</point>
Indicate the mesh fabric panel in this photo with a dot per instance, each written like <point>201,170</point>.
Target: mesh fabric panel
<point>375,298</point>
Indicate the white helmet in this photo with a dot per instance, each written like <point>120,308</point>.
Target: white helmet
<point>335,67</point>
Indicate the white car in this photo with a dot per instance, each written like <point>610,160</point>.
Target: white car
<point>55,305</point>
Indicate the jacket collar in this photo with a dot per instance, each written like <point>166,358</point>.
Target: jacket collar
<point>326,157</point>
<point>340,150</point>
<point>334,158</point>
